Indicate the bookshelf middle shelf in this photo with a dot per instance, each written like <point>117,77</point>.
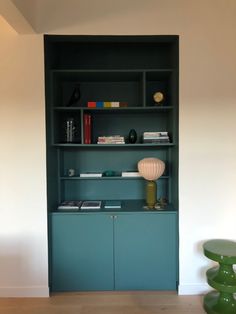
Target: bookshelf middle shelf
<point>106,178</point>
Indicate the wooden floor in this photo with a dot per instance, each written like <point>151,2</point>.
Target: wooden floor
<point>105,303</point>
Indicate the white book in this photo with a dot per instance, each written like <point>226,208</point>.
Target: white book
<point>90,174</point>
<point>130,174</point>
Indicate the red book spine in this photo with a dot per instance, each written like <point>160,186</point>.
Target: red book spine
<point>87,129</point>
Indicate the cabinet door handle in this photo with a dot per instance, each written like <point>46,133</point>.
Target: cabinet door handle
<point>113,217</point>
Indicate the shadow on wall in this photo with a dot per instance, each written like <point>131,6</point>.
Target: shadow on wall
<point>51,15</point>
<point>19,265</point>
<point>208,263</point>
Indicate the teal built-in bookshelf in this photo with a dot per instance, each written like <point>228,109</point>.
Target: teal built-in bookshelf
<point>128,248</point>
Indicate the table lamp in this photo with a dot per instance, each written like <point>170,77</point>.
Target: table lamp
<point>151,169</point>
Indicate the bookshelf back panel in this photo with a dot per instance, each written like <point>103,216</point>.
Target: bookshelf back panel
<point>120,124</point>
<point>113,53</point>
<point>100,160</point>
<point>129,91</point>
<point>109,189</point>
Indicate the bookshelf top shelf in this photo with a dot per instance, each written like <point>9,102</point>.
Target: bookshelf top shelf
<point>118,109</point>
<point>113,145</point>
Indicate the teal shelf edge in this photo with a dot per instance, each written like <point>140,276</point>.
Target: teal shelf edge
<point>159,70</point>
<point>128,206</point>
<point>107,178</point>
<point>138,108</point>
<point>113,145</point>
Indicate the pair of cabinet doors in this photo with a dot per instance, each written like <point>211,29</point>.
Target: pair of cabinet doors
<point>113,251</point>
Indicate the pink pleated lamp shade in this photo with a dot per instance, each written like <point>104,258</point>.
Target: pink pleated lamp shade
<point>151,168</point>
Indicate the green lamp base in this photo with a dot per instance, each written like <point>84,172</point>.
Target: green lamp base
<point>151,194</point>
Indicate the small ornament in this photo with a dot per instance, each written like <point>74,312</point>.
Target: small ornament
<point>158,98</point>
<point>71,172</point>
<point>132,136</point>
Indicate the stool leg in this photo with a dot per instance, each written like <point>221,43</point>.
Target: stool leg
<point>222,301</point>
<point>219,303</point>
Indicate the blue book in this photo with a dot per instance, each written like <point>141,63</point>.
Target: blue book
<point>112,204</point>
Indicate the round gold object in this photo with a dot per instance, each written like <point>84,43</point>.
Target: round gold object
<point>158,97</point>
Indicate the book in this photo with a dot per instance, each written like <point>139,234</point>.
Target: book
<point>154,140</point>
<point>163,133</point>
<point>130,174</point>
<point>112,139</point>
<point>91,205</point>
<point>87,128</point>
<point>69,205</point>
<point>112,204</point>
<point>90,174</point>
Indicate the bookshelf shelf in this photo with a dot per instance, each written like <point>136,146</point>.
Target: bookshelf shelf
<point>104,146</point>
<point>107,178</point>
<point>99,89</point>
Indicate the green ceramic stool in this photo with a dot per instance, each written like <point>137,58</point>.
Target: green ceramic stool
<point>222,278</point>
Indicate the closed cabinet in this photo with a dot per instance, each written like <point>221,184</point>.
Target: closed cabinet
<point>135,251</point>
<point>145,252</point>
<point>82,252</point>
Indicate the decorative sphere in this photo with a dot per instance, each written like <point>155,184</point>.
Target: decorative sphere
<point>151,168</point>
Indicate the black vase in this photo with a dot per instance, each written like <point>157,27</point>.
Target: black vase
<point>75,97</point>
<point>132,136</point>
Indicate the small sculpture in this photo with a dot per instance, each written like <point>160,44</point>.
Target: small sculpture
<point>132,136</point>
<point>75,97</point>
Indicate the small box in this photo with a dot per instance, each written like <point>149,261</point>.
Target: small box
<point>107,104</point>
<point>115,104</point>
<point>99,104</point>
<point>91,104</point>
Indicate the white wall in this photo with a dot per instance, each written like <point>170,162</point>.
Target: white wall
<point>23,222</point>
<point>207,30</point>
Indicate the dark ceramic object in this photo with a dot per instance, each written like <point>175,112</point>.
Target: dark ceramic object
<point>132,136</point>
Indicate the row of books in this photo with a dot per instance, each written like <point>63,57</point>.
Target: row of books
<point>156,137</point>
<point>100,174</point>
<point>114,139</point>
<point>81,205</point>
<point>106,104</point>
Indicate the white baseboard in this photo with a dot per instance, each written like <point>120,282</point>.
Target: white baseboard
<point>24,292</point>
<point>193,289</point>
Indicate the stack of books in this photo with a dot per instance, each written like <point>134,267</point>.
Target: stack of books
<point>69,205</point>
<point>114,139</point>
<point>156,137</point>
<point>91,205</point>
<point>112,204</point>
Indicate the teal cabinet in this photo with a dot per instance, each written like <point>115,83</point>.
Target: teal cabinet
<point>145,251</point>
<point>82,252</point>
<point>101,251</point>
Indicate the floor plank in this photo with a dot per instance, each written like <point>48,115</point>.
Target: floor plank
<point>105,303</point>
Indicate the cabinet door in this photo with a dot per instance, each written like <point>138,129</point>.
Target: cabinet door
<point>145,252</point>
<point>82,252</point>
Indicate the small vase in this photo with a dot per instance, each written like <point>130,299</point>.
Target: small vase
<point>132,136</point>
